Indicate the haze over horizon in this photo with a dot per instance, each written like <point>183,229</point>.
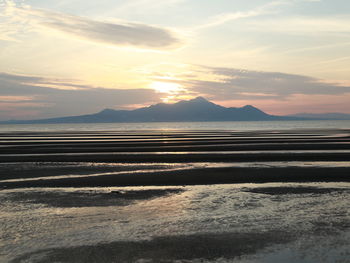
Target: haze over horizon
<point>61,58</point>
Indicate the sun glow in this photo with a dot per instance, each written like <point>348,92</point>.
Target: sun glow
<point>166,87</point>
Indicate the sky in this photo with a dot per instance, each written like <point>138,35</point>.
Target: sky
<point>62,58</point>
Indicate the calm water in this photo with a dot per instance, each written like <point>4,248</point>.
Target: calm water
<point>240,126</point>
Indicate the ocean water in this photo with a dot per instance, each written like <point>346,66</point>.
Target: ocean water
<point>238,126</point>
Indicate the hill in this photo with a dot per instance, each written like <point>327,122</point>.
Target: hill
<point>198,109</point>
<point>323,116</point>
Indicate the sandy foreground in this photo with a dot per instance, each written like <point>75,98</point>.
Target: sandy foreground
<point>175,196</point>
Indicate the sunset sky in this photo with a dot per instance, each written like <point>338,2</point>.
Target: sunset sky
<point>71,57</point>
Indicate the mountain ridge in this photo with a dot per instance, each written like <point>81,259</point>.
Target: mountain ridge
<point>198,109</point>
<point>323,116</point>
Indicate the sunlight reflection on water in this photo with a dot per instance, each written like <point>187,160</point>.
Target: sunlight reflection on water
<point>165,126</point>
<point>28,226</point>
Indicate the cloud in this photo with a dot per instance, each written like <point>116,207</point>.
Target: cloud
<point>236,84</point>
<point>20,94</point>
<point>303,24</point>
<point>31,97</point>
<point>116,34</point>
<point>227,17</point>
<point>273,22</point>
<point>223,18</point>
<point>142,6</point>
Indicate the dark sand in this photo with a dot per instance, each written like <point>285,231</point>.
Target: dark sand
<point>60,221</point>
<point>165,249</point>
<point>195,177</point>
<point>294,190</point>
<point>157,151</point>
<point>43,169</point>
<point>89,199</point>
<point>198,247</point>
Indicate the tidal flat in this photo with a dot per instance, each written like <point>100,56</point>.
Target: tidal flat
<point>296,222</point>
<point>175,196</point>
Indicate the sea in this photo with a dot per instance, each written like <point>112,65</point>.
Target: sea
<point>229,125</point>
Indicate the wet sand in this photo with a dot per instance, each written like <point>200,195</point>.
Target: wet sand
<point>169,157</point>
<point>193,177</point>
<point>89,198</point>
<point>165,249</point>
<point>293,222</point>
<point>175,196</point>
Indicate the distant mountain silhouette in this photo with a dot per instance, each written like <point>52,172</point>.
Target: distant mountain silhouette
<point>198,109</point>
<point>323,116</point>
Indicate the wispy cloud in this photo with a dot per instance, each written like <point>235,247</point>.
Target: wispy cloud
<point>303,24</point>
<point>281,85</point>
<point>335,60</point>
<point>146,5</point>
<point>20,93</point>
<point>316,48</point>
<point>231,16</point>
<point>117,34</point>
<point>228,84</point>
<point>277,23</point>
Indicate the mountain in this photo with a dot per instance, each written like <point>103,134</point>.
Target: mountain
<point>198,109</point>
<point>322,116</point>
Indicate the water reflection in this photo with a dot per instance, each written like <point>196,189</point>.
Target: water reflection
<point>29,225</point>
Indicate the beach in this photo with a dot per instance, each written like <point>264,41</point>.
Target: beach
<point>87,159</point>
<point>175,195</point>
